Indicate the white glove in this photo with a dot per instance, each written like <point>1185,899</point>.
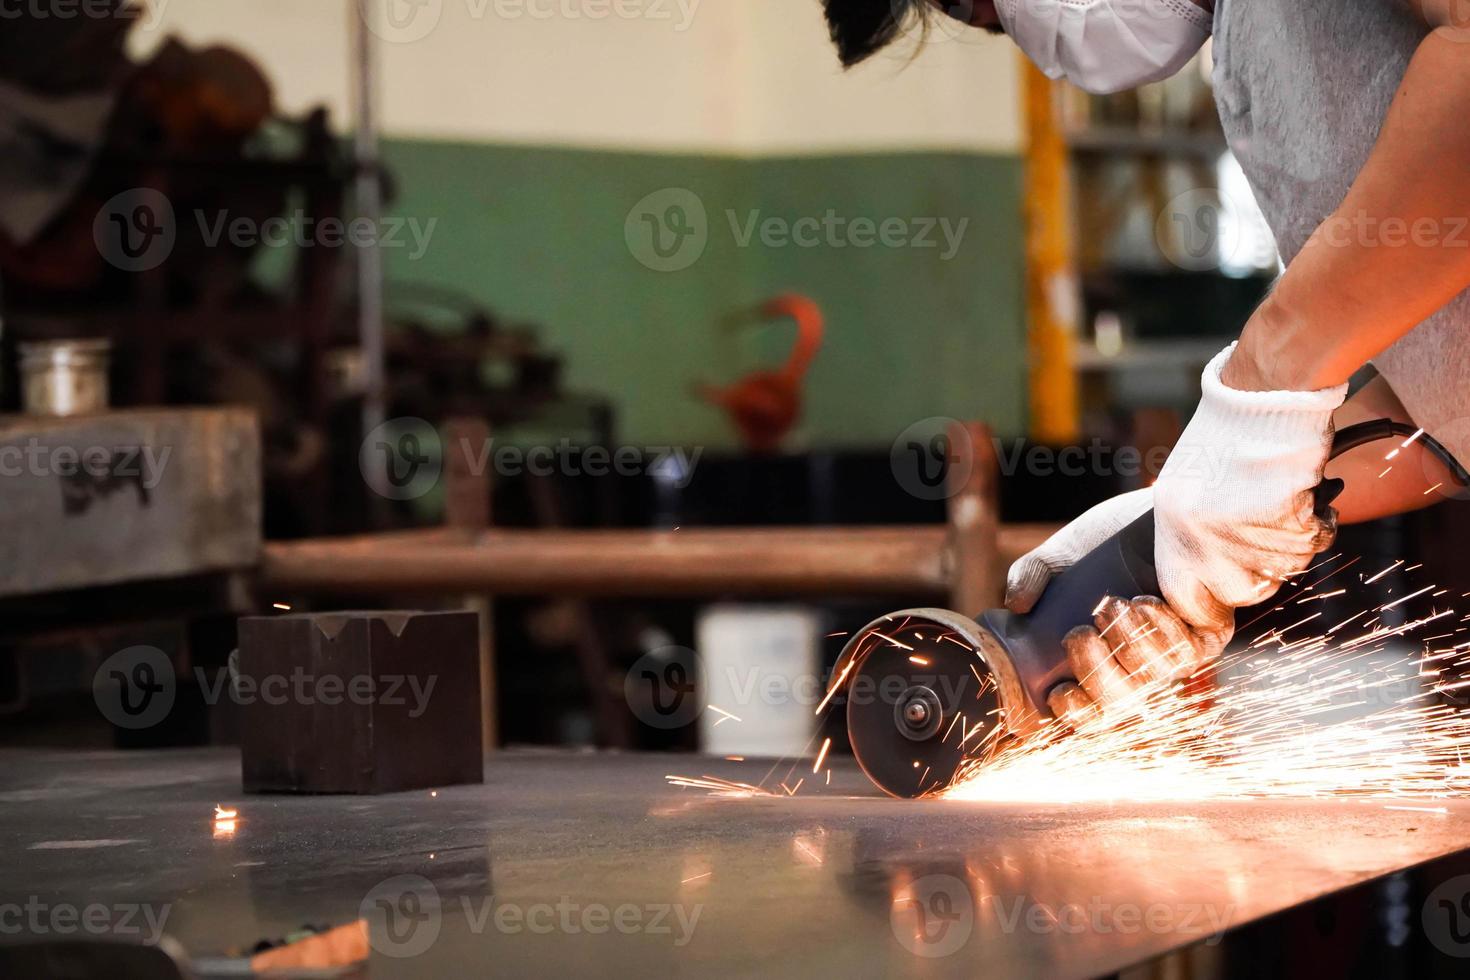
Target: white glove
<point>1233,511</point>
<point>1233,517</point>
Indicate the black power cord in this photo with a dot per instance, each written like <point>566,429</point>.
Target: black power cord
<point>1362,433</point>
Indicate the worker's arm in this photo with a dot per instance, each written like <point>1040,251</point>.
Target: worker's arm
<point>1372,487</point>
<point>1138,640</point>
<point>1233,510</point>
<point>1394,251</point>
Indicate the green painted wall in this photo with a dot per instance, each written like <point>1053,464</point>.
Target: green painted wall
<point>538,234</point>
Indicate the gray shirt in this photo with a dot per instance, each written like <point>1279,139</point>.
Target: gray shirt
<point>1303,87</point>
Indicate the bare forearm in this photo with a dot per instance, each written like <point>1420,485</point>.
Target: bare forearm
<point>1394,252</point>
<point>1374,487</point>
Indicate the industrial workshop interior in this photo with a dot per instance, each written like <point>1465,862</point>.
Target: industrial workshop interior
<point>776,488</point>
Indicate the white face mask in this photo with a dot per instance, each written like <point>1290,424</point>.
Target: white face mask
<point>1106,46</point>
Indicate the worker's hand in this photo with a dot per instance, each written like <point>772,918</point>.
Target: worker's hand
<point>1233,518</point>
<point>1028,576</point>
<point>1134,646</point>
<point>1233,505</point>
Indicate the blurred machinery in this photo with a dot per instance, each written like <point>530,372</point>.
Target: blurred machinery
<point>125,184</point>
<point>1145,250</point>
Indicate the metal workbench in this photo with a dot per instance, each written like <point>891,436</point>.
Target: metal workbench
<point>567,864</point>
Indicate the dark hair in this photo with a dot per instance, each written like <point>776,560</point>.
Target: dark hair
<point>860,28</point>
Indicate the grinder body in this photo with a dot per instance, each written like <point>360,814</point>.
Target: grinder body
<point>1122,566</point>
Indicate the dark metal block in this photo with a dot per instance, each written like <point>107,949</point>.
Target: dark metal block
<point>359,702</point>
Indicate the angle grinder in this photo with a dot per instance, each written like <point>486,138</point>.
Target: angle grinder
<point>929,690</point>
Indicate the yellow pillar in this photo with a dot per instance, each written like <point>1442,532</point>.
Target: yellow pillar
<point>1053,303</point>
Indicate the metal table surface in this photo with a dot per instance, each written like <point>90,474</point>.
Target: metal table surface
<point>581,863</point>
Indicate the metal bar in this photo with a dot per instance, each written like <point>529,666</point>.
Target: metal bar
<point>368,204</point>
<point>767,561</point>
<point>974,520</point>
<point>468,496</point>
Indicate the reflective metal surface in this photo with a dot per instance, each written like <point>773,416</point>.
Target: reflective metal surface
<point>581,863</point>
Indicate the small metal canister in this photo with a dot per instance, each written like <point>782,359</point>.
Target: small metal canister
<point>64,377</point>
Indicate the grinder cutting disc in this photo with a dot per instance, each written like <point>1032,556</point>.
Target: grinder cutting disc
<point>921,701</point>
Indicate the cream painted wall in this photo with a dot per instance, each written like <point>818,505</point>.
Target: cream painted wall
<point>725,76</point>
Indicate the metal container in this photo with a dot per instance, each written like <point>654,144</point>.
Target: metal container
<point>61,378</point>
